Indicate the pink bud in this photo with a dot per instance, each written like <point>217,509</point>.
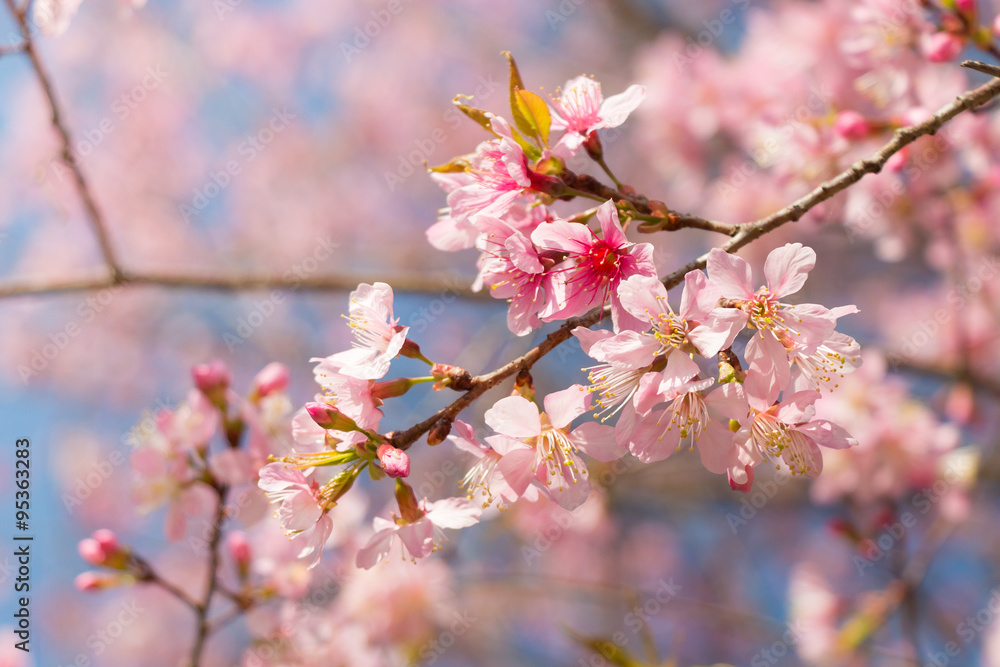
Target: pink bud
<point>996,26</point>
<point>941,47</point>
<point>966,6</point>
<point>108,540</point>
<point>239,548</point>
<point>95,581</point>
<point>272,378</point>
<point>851,125</point>
<point>211,377</point>
<point>395,462</point>
<point>329,417</point>
<point>91,551</point>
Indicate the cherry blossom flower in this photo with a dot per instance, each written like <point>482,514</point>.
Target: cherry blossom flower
<point>783,329</point>
<point>378,337</point>
<point>299,510</point>
<point>539,448</point>
<point>594,267</point>
<point>485,478</point>
<point>582,109</point>
<point>421,532</point>
<point>787,431</point>
<point>513,269</point>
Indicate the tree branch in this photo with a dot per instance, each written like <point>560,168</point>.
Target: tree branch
<point>94,216</point>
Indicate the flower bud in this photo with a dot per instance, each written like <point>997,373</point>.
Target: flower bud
<point>91,551</point>
<point>965,6</point>
<point>96,581</point>
<point>239,551</point>
<point>996,26</point>
<point>108,540</point>
<point>592,144</point>
<point>941,47</point>
<point>524,385</point>
<point>211,378</point>
<point>272,378</point>
<point>395,462</point>
<point>330,418</point>
<point>391,388</point>
<point>851,125</point>
<point>409,508</point>
<point>103,548</point>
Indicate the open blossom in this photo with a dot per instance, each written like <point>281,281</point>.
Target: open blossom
<point>420,533</point>
<point>500,176</point>
<point>378,337</point>
<point>485,478</point>
<point>582,109</point>
<point>785,332</point>
<point>299,512</point>
<point>539,448</point>
<point>787,431</point>
<point>513,269</point>
<point>662,345</point>
<point>692,416</point>
<point>594,266</point>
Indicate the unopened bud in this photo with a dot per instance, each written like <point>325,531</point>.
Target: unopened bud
<point>593,146</point>
<point>965,6</point>
<point>96,581</point>
<point>239,551</point>
<point>851,125</point>
<point>330,418</point>
<point>524,385</point>
<point>409,508</point>
<point>941,47</point>
<point>103,548</point>
<point>550,166</point>
<point>391,388</point>
<point>411,350</point>
<point>272,378</point>
<point>395,462</point>
<point>211,378</point>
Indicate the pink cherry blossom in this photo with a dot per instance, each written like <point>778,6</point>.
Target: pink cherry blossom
<point>539,448</point>
<point>594,266</point>
<point>582,109</point>
<point>485,479</point>
<point>299,511</point>
<point>378,337</point>
<point>422,536</point>
<point>783,330</point>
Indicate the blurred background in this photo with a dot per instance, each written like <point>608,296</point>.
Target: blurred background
<point>288,138</point>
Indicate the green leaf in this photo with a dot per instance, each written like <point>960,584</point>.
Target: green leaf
<point>535,112</point>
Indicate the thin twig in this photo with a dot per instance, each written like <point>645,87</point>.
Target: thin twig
<point>94,216</point>
<point>201,612</point>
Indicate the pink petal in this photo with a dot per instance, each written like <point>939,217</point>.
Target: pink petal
<point>564,406</point>
<point>515,416</point>
<point>728,401</point>
<point>454,513</point>
<point>617,108</point>
<point>680,368</point>
<point>768,357</point>
<point>787,268</point>
<point>517,469</point>
<point>628,349</point>
<point>611,228</point>
<point>716,448</point>
<point>376,550</point>
<point>827,434</point>
<point>642,295</point>
<point>463,437</point>
<point>699,297</point>
<point>597,441</point>
<point>588,337</point>
<point>652,440</point>
<point>730,274</point>
<point>798,407</point>
<point>565,236</point>
<point>418,537</point>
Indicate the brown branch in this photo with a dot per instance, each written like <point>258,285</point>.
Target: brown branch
<point>745,234</point>
<point>346,282</point>
<point>94,216</point>
<point>201,611</point>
